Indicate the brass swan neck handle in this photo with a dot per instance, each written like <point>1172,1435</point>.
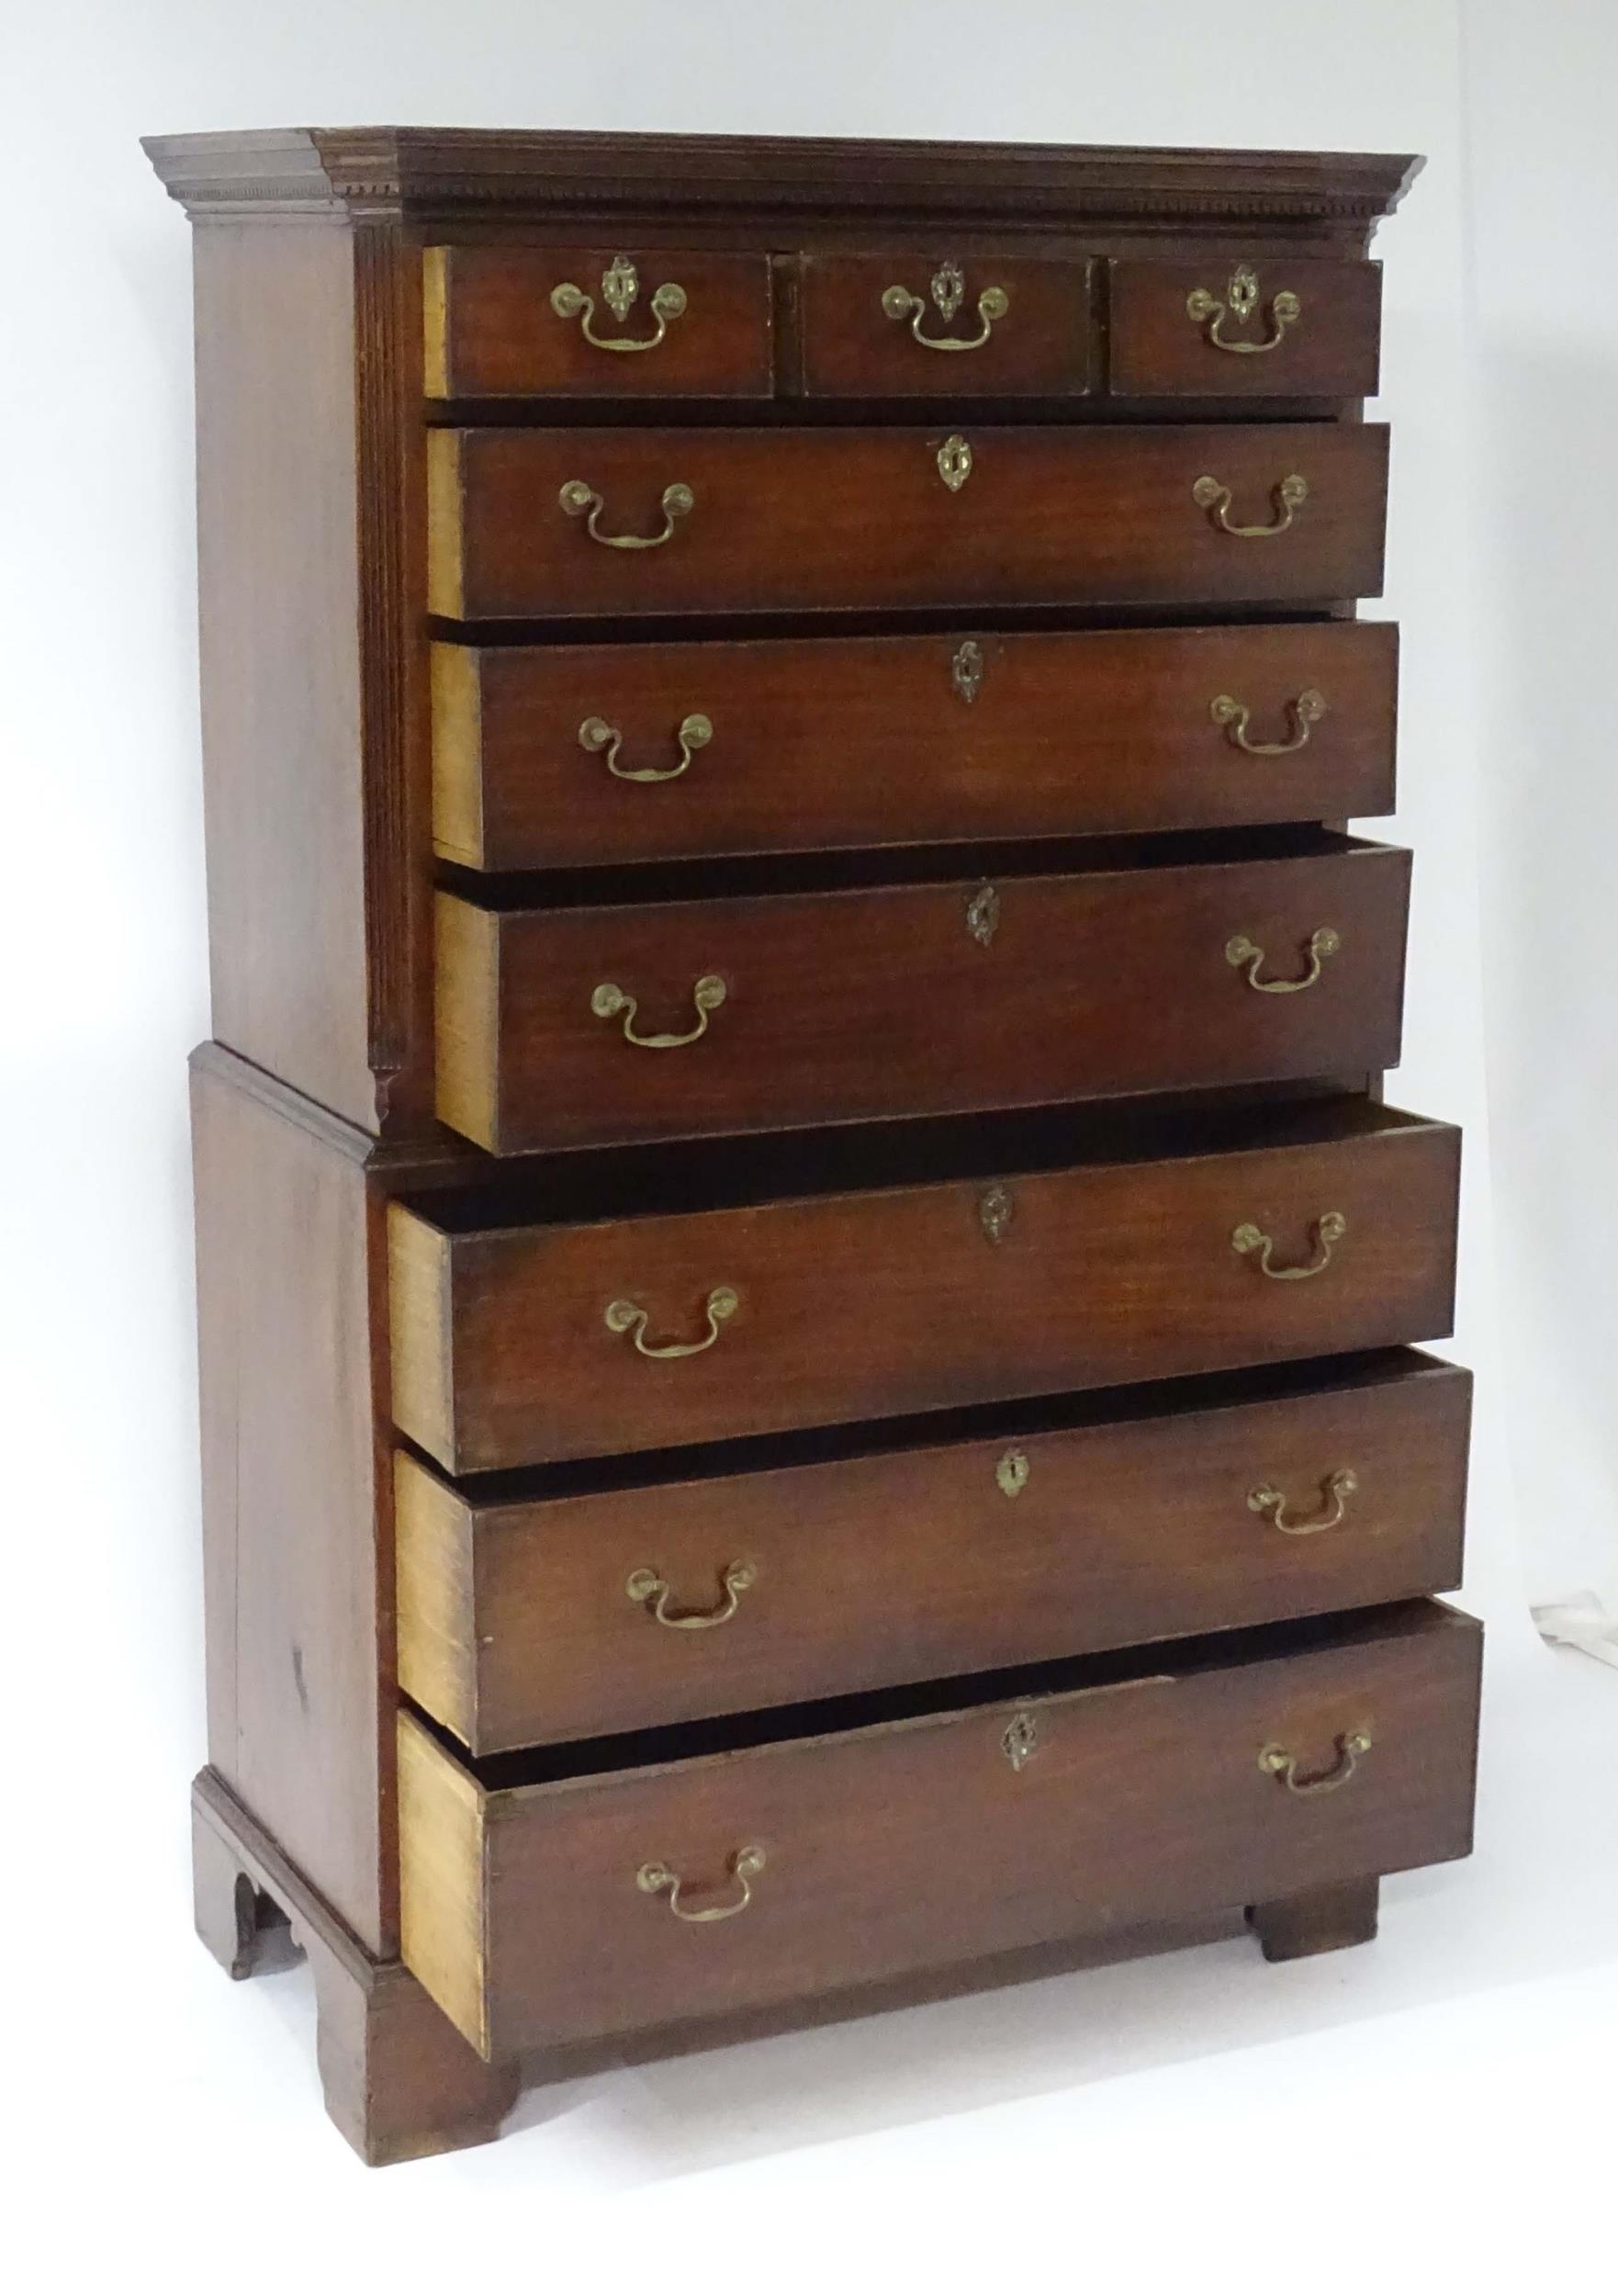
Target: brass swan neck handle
<point>608,1002</point>
<point>1246,955</point>
<point>693,732</point>
<point>580,500</point>
<point>619,289</point>
<point>623,1315</point>
<point>949,288</point>
<point>1335,1493</point>
<point>650,1592</point>
<point>1330,1229</point>
<point>1241,299</point>
<point>1278,1762</point>
<point>659,1880</point>
<point>1288,495</point>
<point>1305,710</point>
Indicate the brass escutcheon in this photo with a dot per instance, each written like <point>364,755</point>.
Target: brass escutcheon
<point>983,915</point>
<point>620,288</point>
<point>995,1211</point>
<point>1011,1472</point>
<point>1020,1741</point>
<point>954,461</point>
<point>966,669</point>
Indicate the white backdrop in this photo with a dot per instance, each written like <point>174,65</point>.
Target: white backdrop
<point>1498,377</point>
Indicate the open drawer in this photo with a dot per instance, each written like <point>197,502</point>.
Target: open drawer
<point>634,1883</point>
<point>631,1592</point>
<point>1144,968</point>
<point>607,1304</point>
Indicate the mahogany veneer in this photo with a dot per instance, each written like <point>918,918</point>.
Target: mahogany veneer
<point>836,519</point>
<point>813,743</point>
<point>717,1500</point>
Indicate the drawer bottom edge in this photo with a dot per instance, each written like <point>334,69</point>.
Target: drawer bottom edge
<point>1098,1943</point>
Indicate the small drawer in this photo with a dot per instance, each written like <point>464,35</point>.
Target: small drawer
<point>1207,328</point>
<point>594,323</point>
<point>1253,1238</point>
<point>556,524</point>
<point>647,1881</point>
<point>629,1604</point>
<point>554,757</point>
<point>574,1026</point>
<point>925,326</point>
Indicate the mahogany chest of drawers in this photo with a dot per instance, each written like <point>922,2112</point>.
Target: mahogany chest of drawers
<point>809,1304</point>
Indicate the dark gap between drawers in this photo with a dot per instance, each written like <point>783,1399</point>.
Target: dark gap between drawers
<point>584,1184</point>
<point>1072,410</point>
<point>846,622</point>
<point>735,1733</point>
<point>924,1431</point>
<point>864,868</point>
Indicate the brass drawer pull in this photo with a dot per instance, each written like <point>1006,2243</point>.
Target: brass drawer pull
<point>607,1001</point>
<point>651,1592</point>
<point>620,288</point>
<point>949,287</point>
<point>1241,301</point>
<point>1330,1229</point>
<point>693,733</point>
<point>1324,942</point>
<point>1306,712</point>
<point>742,1866</point>
<point>576,498</point>
<point>623,1315</point>
<point>1287,495</point>
<point>1279,1763</point>
<point>1335,1493</point>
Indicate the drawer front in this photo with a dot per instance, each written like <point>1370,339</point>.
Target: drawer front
<point>789,1010</point>
<point>546,1913</point>
<point>724,520</point>
<point>1207,328</point>
<point>592,322</point>
<point>520,1345</point>
<point>558,757</point>
<point>928,326</point>
<point>615,1610</point>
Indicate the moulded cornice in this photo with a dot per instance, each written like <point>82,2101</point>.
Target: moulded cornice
<point>438,175</point>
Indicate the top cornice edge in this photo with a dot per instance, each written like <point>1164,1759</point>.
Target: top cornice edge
<point>434,174</point>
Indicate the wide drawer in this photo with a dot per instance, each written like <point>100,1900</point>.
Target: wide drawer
<point>568,1902</point>
<point>612,1331</point>
<point>629,1602</point>
<point>567,1026</point>
<point>1203,328</point>
<point>535,522</point>
<point>914,326</point>
<point>546,757</point>
<point>594,322</point>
